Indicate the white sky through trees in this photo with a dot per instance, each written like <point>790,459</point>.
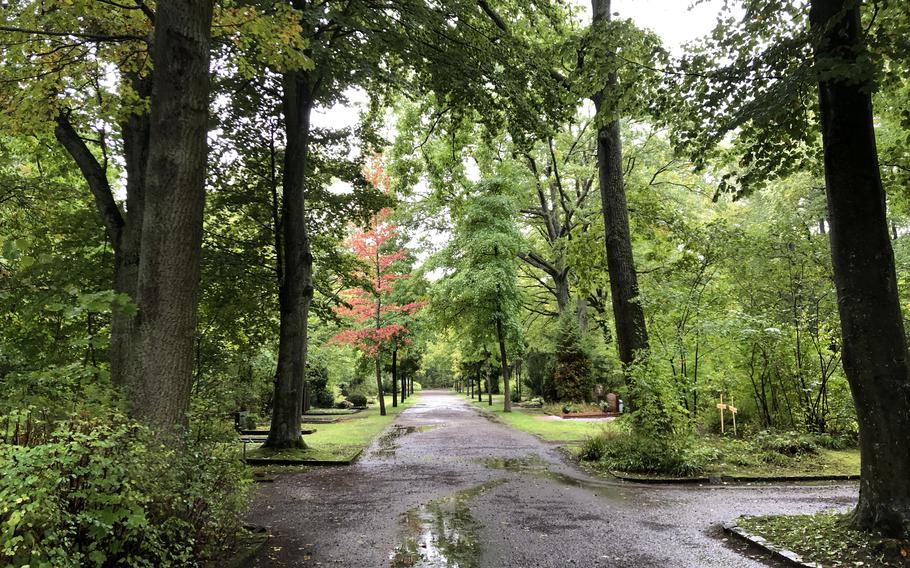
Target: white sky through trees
<point>675,21</point>
<point>672,20</point>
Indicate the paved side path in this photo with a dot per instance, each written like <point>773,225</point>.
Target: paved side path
<point>455,489</point>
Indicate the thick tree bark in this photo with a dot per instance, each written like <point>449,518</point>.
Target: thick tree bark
<point>874,345</point>
<point>631,333</point>
<point>295,291</point>
<point>395,378</point>
<point>126,257</point>
<point>507,403</point>
<point>154,370</point>
<point>174,196</point>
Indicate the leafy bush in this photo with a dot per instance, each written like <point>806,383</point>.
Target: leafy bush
<point>572,378</point>
<point>105,493</point>
<point>321,395</point>
<point>595,447</point>
<point>514,395</point>
<point>787,443</point>
<point>539,378</point>
<point>656,409</point>
<point>637,453</point>
<point>358,400</point>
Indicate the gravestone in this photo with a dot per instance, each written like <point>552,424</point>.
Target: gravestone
<point>599,392</point>
<point>612,402</point>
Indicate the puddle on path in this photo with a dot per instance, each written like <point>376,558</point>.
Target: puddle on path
<point>535,465</point>
<point>388,442</point>
<point>532,463</point>
<point>442,533</point>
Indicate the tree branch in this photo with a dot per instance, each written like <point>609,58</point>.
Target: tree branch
<point>95,176</point>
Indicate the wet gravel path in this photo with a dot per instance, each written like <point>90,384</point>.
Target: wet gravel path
<point>447,487</point>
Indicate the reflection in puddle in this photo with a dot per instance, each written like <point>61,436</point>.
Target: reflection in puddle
<point>442,533</point>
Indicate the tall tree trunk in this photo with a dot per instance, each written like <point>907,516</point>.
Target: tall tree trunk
<point>507,403</point>
<point>874,346</point>
<point>123,230</point>
<point>395,378</point>
<point>404,386</point>
<point>631,333</point>
<point>126,256</point>
<point>581,310</point>
<point>489,388</point>
<point>171,242</point>
<point>561,286</point>
<point>379,384</point>
<point>295,291</point>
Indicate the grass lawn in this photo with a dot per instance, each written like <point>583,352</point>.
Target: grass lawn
<point>544,426</point>
<point>340,441</point>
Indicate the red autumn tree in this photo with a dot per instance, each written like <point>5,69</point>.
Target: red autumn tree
<point>377,323</point>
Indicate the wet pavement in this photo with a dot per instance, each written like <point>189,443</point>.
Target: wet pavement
<point>446,486</point>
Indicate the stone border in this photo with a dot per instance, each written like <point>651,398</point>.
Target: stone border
<point>660,480</point>
<point>721,479</point>
<point>787,556</point>
<point>280,461</point>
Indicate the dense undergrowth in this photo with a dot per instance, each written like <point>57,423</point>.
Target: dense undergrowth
<point>107,492</point>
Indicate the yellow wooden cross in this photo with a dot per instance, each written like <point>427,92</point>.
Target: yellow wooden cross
<point>721,406</point>
<point>732,410</point>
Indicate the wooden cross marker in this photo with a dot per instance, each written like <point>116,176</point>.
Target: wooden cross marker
<point>721,406</point>
<point>732,410</point>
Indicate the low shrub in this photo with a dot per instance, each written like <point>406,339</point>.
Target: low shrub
<point>836,441</point>
<point>108,493</point>
<point>595,447</point>
<point>787,443</point>
<point>514,396</point>
<point>344,405</point>
<point>636,453</point>
<point>358,400</point>
<point>535,402</point>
